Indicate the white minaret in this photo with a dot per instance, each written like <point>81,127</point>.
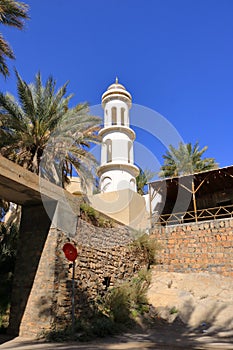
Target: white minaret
<point>117,170</point>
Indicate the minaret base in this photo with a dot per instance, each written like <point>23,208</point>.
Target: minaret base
<point>124,206</point>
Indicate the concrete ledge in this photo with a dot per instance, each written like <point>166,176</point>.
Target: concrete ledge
<point>22,187</point>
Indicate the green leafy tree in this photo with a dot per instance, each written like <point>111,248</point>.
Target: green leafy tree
<point>12,13</point>
<point>184,160</point>
<point>41,133</point>
<point>142,179</point>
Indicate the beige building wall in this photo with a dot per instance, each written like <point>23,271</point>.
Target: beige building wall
<point>75,187</point>
<point>125,206</point>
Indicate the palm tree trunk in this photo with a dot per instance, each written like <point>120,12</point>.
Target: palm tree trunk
<point>35,163</point>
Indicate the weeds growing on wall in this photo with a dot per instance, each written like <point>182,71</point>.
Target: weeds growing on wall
<point>94,217</point>
<point>148,247</point>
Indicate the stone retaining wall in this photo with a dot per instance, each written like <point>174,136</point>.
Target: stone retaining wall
<point>196,247</point>
<point>104,254</point>
<point>41,299</point>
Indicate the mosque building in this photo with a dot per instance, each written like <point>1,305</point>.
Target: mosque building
<point>118,197</point>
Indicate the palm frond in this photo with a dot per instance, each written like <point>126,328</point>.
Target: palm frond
<point>41,131</point>
<point>25,98</point>
<point>185,159</point>
<point>13,13</point>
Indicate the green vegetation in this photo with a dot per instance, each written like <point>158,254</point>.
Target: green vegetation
<point>185,160</point>
<point>148,246</point>
<point>173,310</point>
<point>93,216</point>
<point>128,299</point>
<point>12,13</point>
<point>8,248</point>
<point>40,123</point>
<point>142,179</point>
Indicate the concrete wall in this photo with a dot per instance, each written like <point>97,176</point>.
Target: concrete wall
<point>34,270</point>
<point>196,247</point>
<point>125,206</point>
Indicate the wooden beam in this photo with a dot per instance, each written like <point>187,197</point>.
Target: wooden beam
<point>194,200</point>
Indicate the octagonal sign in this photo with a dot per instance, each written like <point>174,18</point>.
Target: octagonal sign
<point>70,251</point>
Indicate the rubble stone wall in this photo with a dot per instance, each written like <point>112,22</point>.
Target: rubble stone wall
<point>104,254</point>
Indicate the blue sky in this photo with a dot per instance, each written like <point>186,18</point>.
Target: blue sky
<point>174,56</point>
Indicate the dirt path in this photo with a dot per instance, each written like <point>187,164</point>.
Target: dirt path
<point>170,337</point>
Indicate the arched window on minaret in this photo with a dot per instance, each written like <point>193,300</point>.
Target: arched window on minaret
<point>109,150</point>
<point>103,152</point>
<point>114,116</point>
<point>106,117</point>
<point>132,184</point>
<point>127,118</point>
<point>122,116</point>
<point>105,183</point>
<point>129,151</point>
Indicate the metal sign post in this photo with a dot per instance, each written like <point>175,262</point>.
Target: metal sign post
<point>73,292</point>
<point>71,254</point>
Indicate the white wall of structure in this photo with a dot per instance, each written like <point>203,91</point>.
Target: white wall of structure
<point>116,180</point>
<point>117,170</point>
<point>116,113</point>
<point>117,147</point>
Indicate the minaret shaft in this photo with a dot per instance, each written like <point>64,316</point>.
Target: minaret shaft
<point>117,170</point>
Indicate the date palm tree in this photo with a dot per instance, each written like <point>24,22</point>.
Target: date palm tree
<point>12,13</point>
<point>184,160</point>
<point>142,179</point>
<point>41,133</point>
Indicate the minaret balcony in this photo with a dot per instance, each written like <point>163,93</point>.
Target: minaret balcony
<point>119,128</point>
<point>131,168</point>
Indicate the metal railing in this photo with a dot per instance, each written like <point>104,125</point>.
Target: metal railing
<point>194,216</point>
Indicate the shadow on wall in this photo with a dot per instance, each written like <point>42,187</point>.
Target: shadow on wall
<point>34,228</point>
<point>90,319</point>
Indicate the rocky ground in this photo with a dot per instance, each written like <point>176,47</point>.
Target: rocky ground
<point>201,300</point>
<point>194,304</point>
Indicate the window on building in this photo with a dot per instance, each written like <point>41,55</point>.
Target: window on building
<point>114,116</point>
<point>132,184</point>
<point>129,151</point>
<point>122,116</point>
<point>105,183</point>
<point>109,150</point>
<point>103,152</point>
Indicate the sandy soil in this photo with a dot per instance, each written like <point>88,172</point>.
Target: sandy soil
<point>201,300</point>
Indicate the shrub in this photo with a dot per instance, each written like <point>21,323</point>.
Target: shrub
<point>148,246</point>
<point>103,326</point>
<point>129,298</point>
<point>117,303</point>
<point>139,287</point>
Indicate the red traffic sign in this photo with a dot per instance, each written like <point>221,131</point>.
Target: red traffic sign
<point>70,251</point>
